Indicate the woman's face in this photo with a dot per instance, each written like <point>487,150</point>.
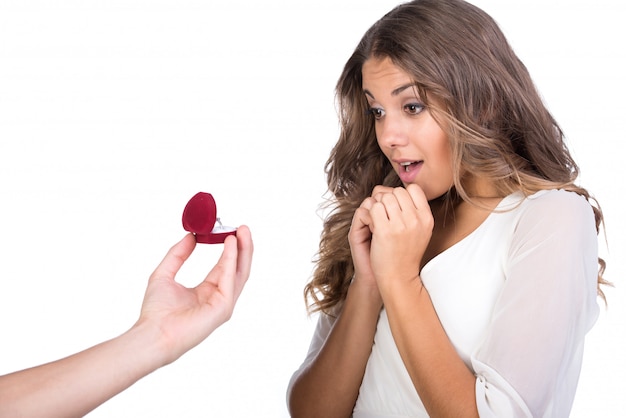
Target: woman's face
<point>406,132</point>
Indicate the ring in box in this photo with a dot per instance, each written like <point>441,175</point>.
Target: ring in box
<point>200,218</point>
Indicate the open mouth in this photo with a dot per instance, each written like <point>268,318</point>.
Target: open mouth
<point>409,165</point>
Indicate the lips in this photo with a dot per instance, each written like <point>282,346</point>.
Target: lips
<point>408,170</point>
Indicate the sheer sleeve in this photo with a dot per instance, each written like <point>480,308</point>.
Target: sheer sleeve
<point>529,361</point>
<point>322,329</point>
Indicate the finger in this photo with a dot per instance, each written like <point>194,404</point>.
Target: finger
<point>417,196</point>
<point>379,215</point>
<point>232,270</point>
<point>392,206</point>
<point>224,269</point>
<point>407,205</point>
<point>245,249</point>
<point>362,217</point>
<point>380,191</point>
<point>175,258</point>
<point>367,203</point>
<point>423,210</point>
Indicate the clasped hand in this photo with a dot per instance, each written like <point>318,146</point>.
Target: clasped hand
<point>389,235</point>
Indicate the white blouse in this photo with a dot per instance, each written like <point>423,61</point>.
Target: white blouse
<point>516,298</point>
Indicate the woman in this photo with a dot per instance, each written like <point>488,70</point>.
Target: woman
<point>458,272</point>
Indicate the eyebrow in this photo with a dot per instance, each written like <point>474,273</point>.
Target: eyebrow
<point>395,92</point>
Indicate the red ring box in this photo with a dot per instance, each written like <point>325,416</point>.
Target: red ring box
<point>199,218</point>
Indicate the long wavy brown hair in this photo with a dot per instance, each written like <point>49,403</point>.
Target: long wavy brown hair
<point>482,96</point>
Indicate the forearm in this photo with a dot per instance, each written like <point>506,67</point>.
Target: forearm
<point>329,386</point>
<point>444,383</point>
<point>73,386</point>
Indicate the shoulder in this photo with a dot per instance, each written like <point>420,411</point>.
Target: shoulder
<point>557,197</point>
<point>557,203</point>
<point>555,210</point>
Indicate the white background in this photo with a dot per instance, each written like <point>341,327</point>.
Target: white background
<point>114,113</point>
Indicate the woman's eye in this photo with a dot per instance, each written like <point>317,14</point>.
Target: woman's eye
<point>414,108</point>
<point>376,112</point>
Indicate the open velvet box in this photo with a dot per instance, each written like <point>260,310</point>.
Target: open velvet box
<point>199,218</point>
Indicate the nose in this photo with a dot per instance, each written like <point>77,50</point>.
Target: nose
<point>391,132</point>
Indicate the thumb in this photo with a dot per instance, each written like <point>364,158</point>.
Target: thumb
<point>175,258</point>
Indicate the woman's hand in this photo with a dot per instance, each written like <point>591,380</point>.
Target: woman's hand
<point>360,237</point>
<point>186,316</point>
<point>401,224</point>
